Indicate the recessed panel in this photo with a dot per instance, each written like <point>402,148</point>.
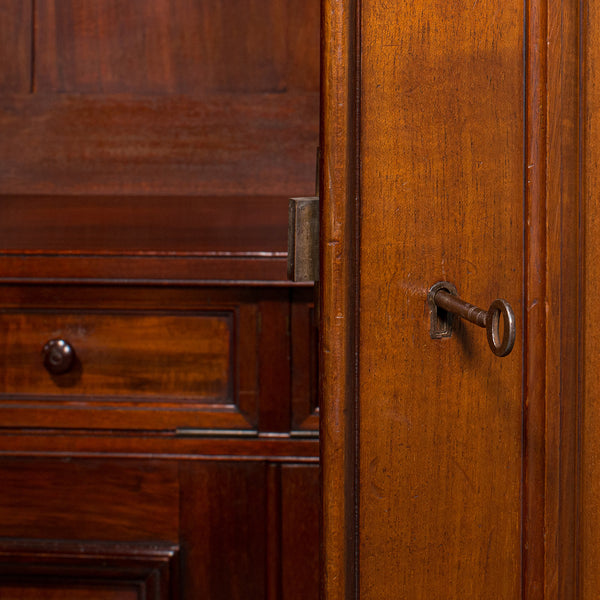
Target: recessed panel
<point>169,356</point>
<point>162,46</point>
<point>16,26</point>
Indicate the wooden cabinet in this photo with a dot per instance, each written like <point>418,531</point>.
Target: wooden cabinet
<point>146,157</point>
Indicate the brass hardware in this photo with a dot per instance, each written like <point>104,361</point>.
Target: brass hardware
<point>303,239</point>
<point>443,296</point>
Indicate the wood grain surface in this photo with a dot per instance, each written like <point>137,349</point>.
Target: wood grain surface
<point>441,199</point>
<point>467,480</point>
<point>590,416</point>
<point>148,149</point>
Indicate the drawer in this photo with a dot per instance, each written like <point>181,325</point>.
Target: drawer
<point>136,365</point>
<point>183,357</point>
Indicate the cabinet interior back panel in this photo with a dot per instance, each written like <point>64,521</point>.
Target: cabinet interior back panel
<point>159,97</point>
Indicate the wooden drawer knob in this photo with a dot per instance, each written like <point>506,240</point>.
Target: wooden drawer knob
<point>58,356</point>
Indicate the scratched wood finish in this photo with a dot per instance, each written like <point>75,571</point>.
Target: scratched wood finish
<point>441,199</point>
<point>468,482</point>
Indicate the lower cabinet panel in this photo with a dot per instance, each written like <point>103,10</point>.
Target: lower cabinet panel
<point>114,529</point>
<point>14,592</point>
<point>45,569</point>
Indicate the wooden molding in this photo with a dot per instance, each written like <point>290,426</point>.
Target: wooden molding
<point>148,569</point>
<point>338,295</point>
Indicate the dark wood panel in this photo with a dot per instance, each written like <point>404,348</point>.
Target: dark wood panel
<point>195,445</point>
<point>72,592</point>
<point>182,46</point>
<point>177,357</point>
<point>226,144</point>
<point>135,270</point>
<point>304,40</point>
<point>205,226</point>
<point>304,335</point>
<point>89,500</point>
<point>275,372</point>
<point>223,512</point>
<point>16,26</point>
<point>300,518</point>
<point>84,570</point>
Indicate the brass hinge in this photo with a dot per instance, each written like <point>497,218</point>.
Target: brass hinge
<point>303,239</point>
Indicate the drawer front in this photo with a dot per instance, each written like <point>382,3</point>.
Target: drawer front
<point>187,357</point>
<point>161,370</point>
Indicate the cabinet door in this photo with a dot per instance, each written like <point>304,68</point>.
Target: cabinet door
<point>449,472</point>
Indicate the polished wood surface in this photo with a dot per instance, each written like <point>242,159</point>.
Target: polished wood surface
<point>563,398</point>
<point>145,225</point>
<point>197,527</point>
<point>229,144</point>
<point>133,238</point>
<point>81,50</point>
<point>439,517</point>
<point>148,150</point>
<point>160,97</point>
<point>160,358</point>
<point>465,483</point>
<point>175,357</point>
<point>338,308</point>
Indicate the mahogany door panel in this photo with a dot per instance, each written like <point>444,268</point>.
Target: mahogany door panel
<point>447,470</point>
<point>441,200</point>
<point>250,530</point>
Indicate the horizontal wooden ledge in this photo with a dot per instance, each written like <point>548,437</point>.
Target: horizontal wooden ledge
<point>143,238</point>
<point>160,446</point>
<point>143,270</point>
